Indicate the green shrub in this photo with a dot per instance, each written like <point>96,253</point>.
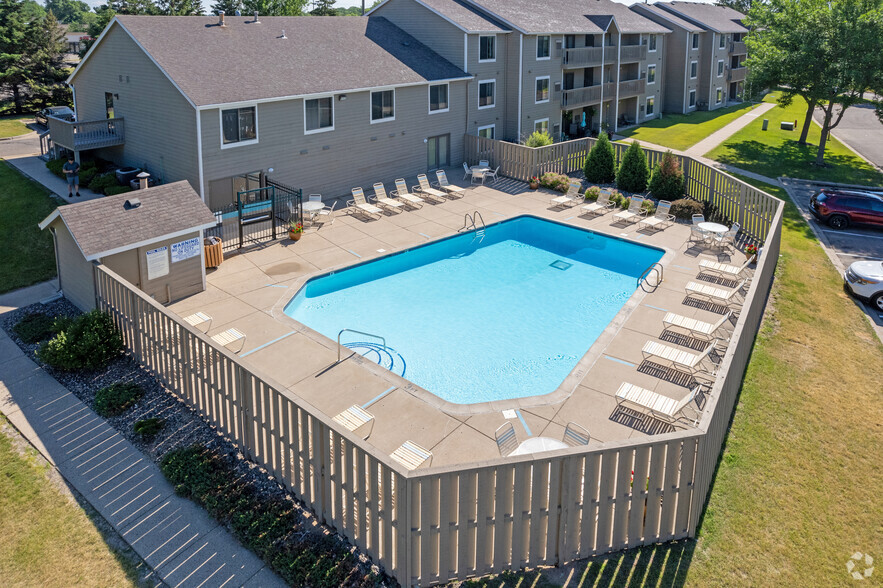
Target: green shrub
<point>600,167</point>
<point>649,206</point>
<point>633,171</point>
<point>35,327</point>
<point>592,193</point>
<point>539,139</point>
<point>114,190</point>
<point>667,179</point>
<point>117,398</point>
<point>102,182</point>
<point>148,428</point>
<point>89,341</point>
<point>56,166</point>
<point>685,208</point>
<point>618,199</point>
<point>553,181</point>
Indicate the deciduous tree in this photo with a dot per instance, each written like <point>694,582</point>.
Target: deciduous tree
<point>275,7</point>
<point>324,8</point>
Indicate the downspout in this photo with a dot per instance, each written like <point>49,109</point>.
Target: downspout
<point>686,69</point>
<point>57,261</point>
<point>618,66</point>
<point>199,153</point>
<point>74,95</point>
<point>711,73</point>
<point>601,105</point>
<point>520,80</point>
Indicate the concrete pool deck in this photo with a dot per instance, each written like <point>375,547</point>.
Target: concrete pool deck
<point>249,290</point>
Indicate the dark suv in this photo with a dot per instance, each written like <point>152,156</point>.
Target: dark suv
<point>841,208</point>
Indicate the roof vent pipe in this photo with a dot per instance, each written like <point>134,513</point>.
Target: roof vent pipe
<point>257,19</point>
<point>221,18</point>
<point>283,35</point>
<point>237,13</point>
<point>142,180</point>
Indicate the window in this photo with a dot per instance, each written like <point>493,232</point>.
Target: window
<point>692,98</point>
<point>651,74</point>
<point>541,125</point>
<point>487,48</point>
<point>108,105</point>
<point>542,90</point>
<point>651,105</point>
<point>720,68</point>
<point>719,96</point>
<point>486,132</point>
<point>239,125</point>
<point>694,69</point>
<point>651,43</point>
<point>319,115</point>
<point>544,43</point>
<point>695,40</point>
<point>723,41</point>
<point>438,98</point>
<point>383,105</point>
<point>569,41</point>
<point>486,91</point>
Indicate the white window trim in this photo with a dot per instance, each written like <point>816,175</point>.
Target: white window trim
<point>535,101</point>
<point>484,128</point>
<point>693,94</point>
<point>538,48</point>
<point>494,37</point>
<point>371,101</point>
<point>719,68</point>
<point>541,120</point>
<point>718,92</point>
<point>649,67</point>
<point>692,77</point>
<point>646,102</point>
<point>722,44</point>
<point>333,115</point>
<point>480,82</point>
<point>649,50</point>
<point>429,98</point>
<point>238,143</point>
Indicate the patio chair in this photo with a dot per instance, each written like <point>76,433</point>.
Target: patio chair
<point>571,198</point>
<point>411,455</point>
<point>695,328</point>
<point>575,435</point>
<point>697,234</point>
<point>426,189</point>
<point>678,359</point>
<point>312,213</point>
<point>634,212</point>
<point>493,174</point>
<point>326,215</point>
<point>360,205</point>
<point>405,196</point>
<point>354,418</point>
<point>229,337</point>
<point>662,219</point>
<point>657,405</point>
<point>507,442</point>
<point>449,188</point>
<point>713,293</point>
<point>484,163</point>
<point>477,176</point>
<point>722,269</point>
<point>467,171</point>
<point>728,238</point>
<point>385,201</point>
<point>600,206</point>
<point>199,318</point>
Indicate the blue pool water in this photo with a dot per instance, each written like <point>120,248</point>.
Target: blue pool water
<point>476,319</point>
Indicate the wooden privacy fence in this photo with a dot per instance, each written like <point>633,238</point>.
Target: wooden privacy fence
<point>739,202</point>
<point>438,524</point>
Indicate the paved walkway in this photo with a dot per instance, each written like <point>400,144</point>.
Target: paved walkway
<point>177,538</point>
<point>718,137</point>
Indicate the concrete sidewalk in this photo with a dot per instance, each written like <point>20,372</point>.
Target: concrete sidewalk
<point>35,168</point>
<point>178,539</point>
<point>718,137</point>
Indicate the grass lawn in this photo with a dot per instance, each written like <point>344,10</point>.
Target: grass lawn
<point>28,256</point>
<point>775,152</point>
<point>11,126</point>
<point>797,489</point>
<point>47,539</point>
<point>682,131</point>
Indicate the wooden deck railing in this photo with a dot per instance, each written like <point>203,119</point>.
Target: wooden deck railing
<point>581,96</point>
<point>79,136</point>
<point>631,88</point>
<point>738,47</point>
<point>630,53</point>
<point>737,74</point>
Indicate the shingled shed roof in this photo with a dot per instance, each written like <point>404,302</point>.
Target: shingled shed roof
<point>106,226</point>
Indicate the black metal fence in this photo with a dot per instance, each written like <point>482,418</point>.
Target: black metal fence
<point>258,215</point>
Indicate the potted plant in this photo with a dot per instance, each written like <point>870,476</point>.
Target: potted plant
<point>751,252</point>
<point>534,182</point>
<point>295,230</point>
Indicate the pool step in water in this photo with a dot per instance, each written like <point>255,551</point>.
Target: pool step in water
<point>383,356</point>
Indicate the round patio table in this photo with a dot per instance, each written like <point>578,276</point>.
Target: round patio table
<point>538,444</point>
<point>709,227</point>
<point>311,207</point>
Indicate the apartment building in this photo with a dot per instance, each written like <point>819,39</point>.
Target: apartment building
<point>705,54</point>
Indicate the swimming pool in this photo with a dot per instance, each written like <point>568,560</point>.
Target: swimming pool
<point>477,318</point>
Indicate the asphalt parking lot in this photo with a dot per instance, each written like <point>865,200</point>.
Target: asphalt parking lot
<point>843,247</point>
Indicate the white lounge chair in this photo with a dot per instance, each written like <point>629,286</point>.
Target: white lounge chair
<point>360,204</point>
<point>411,455</point>
<point>467,170</point>
<point>634,212</point>
<point>405,196</point>
<point>678,358</point>
<point>713,293</point>
<point>722,269</point>
<point>199,318</point>
<point>385,201</point>
<point>600,206</point>
<point>229,337</point>
<point>449,188</point>
<point>426,189</point>
<point>571,198</point>
<point>354,418</point>
<point>575,435</point>
<point>662,219</point>
<point>658,405</point>
<point>695,328</point>
<point>507,442</point>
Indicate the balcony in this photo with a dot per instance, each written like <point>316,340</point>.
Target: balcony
<point>581,97</point>
<point>737,74</point>
<point>630,88</point>
<point>630,53</point>
<point>588,56</point>
<point>738,48</point>
<point>80,136</point>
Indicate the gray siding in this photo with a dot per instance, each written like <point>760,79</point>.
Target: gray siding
<point>655,89</point>
<point>533,69</point>
<point>160,123</point>
<point>495,70</point>
<point>355,153</point>
<point>184,278</point>
<point>428,27</point>
<point>75,274</point>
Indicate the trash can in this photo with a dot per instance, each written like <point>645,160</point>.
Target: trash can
<point>214,251</point>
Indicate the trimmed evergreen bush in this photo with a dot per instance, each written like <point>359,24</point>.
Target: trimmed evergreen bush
<point>633,171</point>
<point>117,399</point>
<point>102,182</point>
<point>685,208</point>
<point>148,428</point>
<point>667,179</point>
<point>600,167</point>
<point>592,193</point>
<point>539,139</point>
<point>89,341</point>
<point>35,327</point>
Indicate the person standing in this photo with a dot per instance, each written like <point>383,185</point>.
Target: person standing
<point>72,170</point>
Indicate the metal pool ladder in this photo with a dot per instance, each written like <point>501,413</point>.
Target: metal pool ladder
<point>660,275</point>
<point>470,221</point>
<point>342,331</point>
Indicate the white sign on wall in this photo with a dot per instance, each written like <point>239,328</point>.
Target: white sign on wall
<point>157,263</point>
<point>185,249</point>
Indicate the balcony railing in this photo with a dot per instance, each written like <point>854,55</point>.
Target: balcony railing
<point>94,134</point>
<point>581,96</point>
<point>738,47</point>
<point>737,74</point>
<point>629,53</point>
<point>631,88</point>
<point>588,56</point>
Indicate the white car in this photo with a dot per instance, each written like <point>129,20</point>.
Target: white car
<point>865,280</point>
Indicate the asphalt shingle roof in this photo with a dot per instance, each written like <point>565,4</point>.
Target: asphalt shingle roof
<point>465,16</point>
<point>250,61</point>
<point>668,16</point>
<point>567,16</point>
<point>720,19</point>
<point>107,224</point>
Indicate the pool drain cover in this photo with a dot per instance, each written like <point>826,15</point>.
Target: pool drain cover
<point>561,265</point>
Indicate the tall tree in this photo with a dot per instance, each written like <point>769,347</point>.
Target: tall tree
<point>742,6</point>
<point>275,7</point>
<point>45,63</point>
<point>324,8</point>
<point>33,10</point>
<point>228,6</point>
<point>133,6</point>
<point>13,50</point>
<point>103,17</point>
<point>179,7</point>
<point>68,11</point>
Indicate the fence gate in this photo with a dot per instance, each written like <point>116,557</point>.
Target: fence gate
<point>259,214</point>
